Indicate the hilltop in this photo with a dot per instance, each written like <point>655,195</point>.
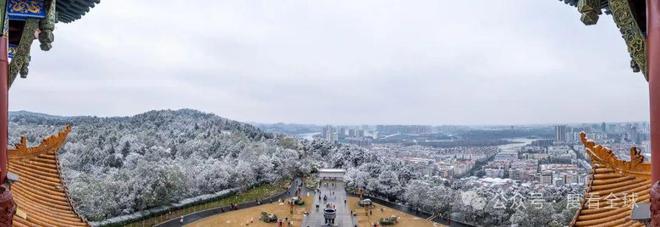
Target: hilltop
<point>119,165</point>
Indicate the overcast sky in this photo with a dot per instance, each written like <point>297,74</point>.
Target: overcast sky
<point>339,62</point>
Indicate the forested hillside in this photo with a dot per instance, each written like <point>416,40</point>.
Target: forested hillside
<point>118,165</point>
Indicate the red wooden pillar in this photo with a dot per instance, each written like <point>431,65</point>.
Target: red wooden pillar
<point>653,44</point>
<point>653,48</point>
<point>7,205</point>
<point>4,107</point>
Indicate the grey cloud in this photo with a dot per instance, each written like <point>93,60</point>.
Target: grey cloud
<point>345,62</point>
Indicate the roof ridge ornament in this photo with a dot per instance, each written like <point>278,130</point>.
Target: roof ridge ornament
<point>603,155</point>
<point>22,151</point>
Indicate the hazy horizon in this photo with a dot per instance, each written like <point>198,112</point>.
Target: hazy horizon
<point>339,125</point>
<point>340,62</point>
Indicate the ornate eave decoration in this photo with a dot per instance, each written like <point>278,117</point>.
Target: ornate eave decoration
<point>38,18</point>
<point>624,15</point>
<point>632,34</point>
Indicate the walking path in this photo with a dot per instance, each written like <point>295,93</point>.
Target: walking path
<point>336,196</point>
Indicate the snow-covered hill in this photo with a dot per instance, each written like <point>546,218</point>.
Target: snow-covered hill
<point>119,165</point>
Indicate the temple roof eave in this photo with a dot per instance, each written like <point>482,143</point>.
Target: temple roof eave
<point>611,177</point>
<point>40,193</point>
<point>71,10</point>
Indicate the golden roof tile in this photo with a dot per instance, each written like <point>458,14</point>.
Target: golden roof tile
<point>39,193</point>
<point>614,187</point>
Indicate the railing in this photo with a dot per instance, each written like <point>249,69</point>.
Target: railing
<point>204,213</point>
<point>185,207</point>
<point>199,214</point>
<point>158,214</point>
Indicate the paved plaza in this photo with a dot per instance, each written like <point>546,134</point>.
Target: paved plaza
<point>336,195</point>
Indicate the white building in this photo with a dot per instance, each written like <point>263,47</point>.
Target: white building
<point>332,174</point>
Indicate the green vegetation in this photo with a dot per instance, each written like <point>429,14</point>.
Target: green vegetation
<point>389,220</point>
<point>259,192</point>
<point>268,217</point>
<point>298,201</point>
<point>311,182</point>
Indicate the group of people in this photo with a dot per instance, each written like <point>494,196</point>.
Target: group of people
<point>280,223</point>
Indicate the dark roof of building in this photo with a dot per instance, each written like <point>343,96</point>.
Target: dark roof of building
<point>71,10</point>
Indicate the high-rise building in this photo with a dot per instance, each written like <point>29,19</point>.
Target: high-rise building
<point>352,132</point>
<point>560,133</point>
<point>341,134</point>
<point>633,135</point>
<point>329,133</point>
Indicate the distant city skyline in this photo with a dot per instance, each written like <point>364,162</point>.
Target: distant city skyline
<point>340,62</point>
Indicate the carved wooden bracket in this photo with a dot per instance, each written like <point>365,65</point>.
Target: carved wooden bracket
<point>631,33</point>
<point>590,10</point>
